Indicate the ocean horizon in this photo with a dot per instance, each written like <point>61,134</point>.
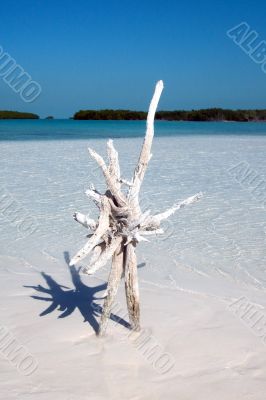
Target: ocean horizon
<point>64,129</point>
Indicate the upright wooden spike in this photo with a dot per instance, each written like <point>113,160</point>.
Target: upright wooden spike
<point>132,287</point>
<point>112,287</point>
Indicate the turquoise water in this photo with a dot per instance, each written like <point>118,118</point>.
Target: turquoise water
<point>70,129</point>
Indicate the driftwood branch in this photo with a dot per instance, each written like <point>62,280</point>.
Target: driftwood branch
<point>111,180</point>
<point>121,224</point>
<point>85,221</point>
<point>145,154</point>
<point>103,257</point>
<point>99,232</point>
<point>132,287</point>
<point>112,287</point>
<point>114,168</point>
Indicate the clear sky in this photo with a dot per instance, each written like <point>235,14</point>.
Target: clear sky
<point>108,53</point>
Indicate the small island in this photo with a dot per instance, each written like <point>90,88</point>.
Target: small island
<point>208,114</point>
<point>17,115</point>
<point>110,114</point>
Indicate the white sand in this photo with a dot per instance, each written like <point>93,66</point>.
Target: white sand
<point>214,255</point>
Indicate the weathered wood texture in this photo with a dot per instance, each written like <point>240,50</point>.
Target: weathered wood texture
<point>121,224</point>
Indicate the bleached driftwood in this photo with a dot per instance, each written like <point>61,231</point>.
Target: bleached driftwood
<point>121,224</point>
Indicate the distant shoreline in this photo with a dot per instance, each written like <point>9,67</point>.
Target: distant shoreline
<point>202,115</point>
<point>17,115</point>
<point>127,120</point>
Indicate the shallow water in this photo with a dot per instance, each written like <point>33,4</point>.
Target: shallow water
<point>216,246</point>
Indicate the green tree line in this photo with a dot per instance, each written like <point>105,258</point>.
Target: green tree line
<point>208,114</point>
<point>17,115</point>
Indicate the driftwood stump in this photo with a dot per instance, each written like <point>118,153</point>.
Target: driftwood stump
<point>121,224</point>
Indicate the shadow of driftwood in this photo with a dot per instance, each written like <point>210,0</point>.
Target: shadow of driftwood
<point>67,300</point>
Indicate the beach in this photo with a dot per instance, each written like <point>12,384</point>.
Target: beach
<point>202,283</point>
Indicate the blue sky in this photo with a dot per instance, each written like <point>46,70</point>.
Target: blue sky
<point>100,54</point>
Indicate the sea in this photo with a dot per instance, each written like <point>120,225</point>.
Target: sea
<point>214,246</point>
<point>63,129</point>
